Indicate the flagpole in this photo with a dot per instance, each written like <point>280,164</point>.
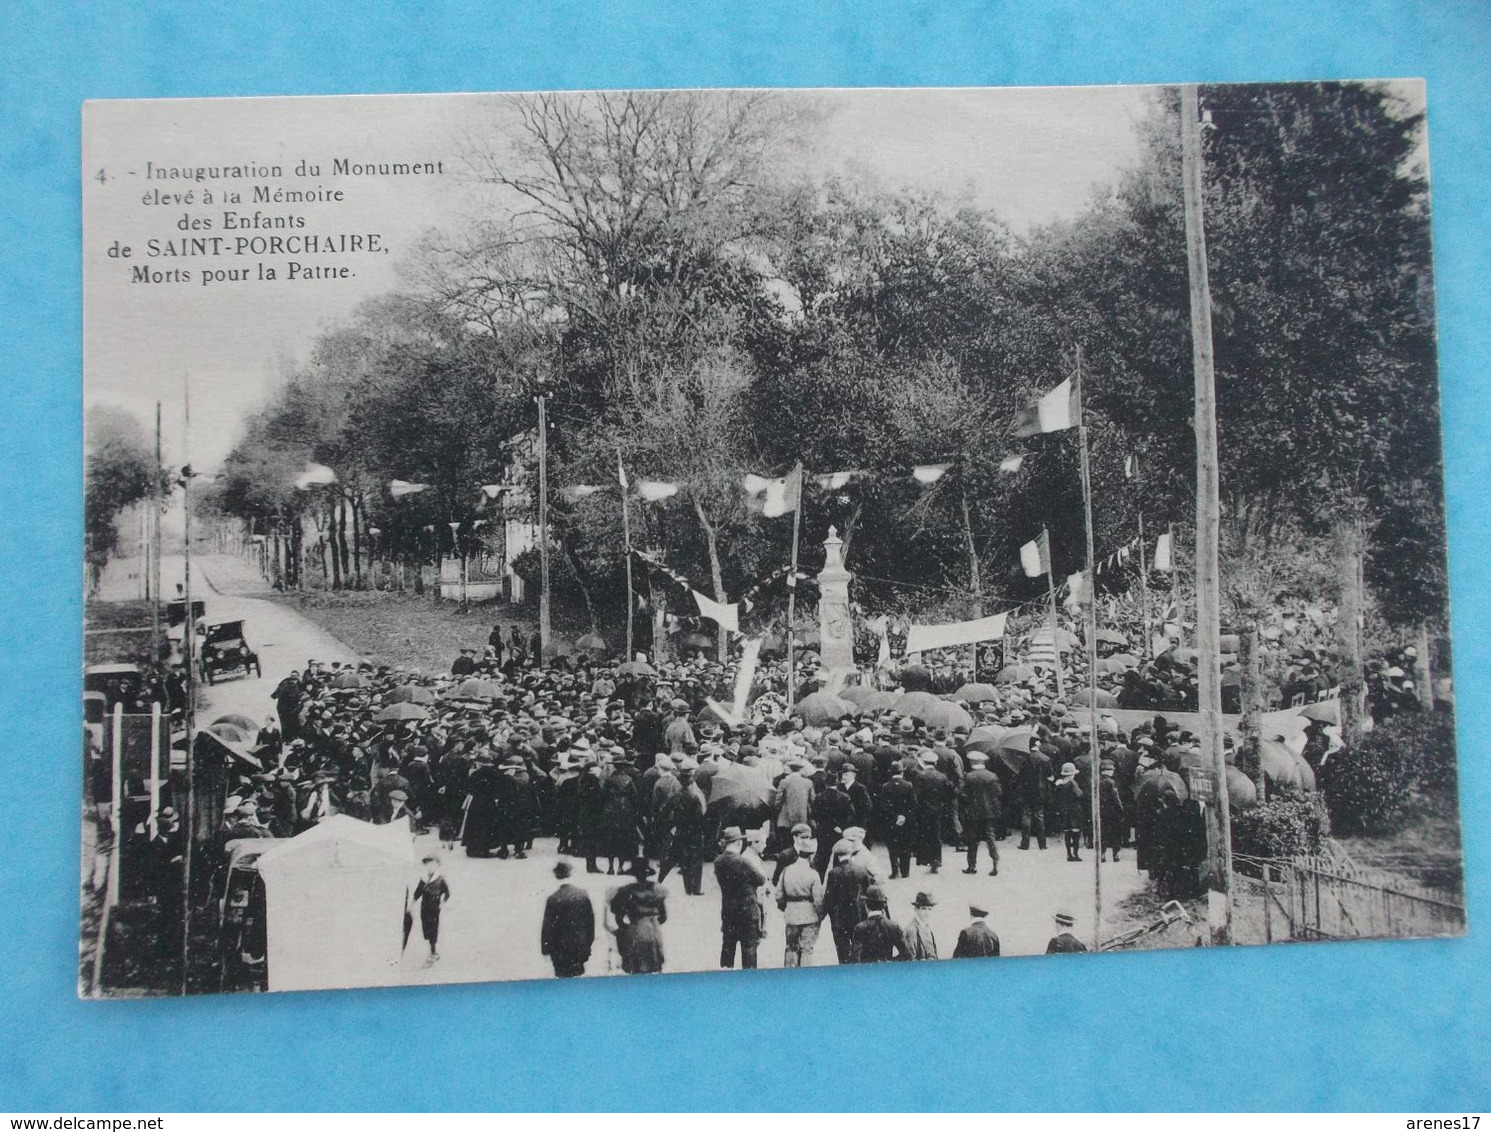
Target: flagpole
<point>1092,669</point>
<point>1051,598</point>
<point>1144,644</point>
<point>626,531</point>
<point>792,593</point>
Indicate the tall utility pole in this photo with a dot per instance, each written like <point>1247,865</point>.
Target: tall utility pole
<point>188,647</point>
<point>792,591</point>
<point>157,501</point>
<point>1208,519</point>
<point>543,529</point>
<point>626,535</point>
<point>1090,582</point>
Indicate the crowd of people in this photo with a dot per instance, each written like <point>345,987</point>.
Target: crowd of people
<point>634,774</point>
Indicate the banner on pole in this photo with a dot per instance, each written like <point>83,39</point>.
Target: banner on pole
<point>921,638</point>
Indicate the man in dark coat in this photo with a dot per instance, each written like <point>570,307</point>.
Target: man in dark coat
<point>686,825</point>
<point>897,818</point>
<point>981,801</point>
<point>844,899</point>
<point>977,940</point>
<point>740,905</point>
<point>569,926</point>
<point>934,795</point>
<point>832,814</point>
<point>877,938</point>
<point>1035,795</point>
<point>1064,942</point>
<point>465,664</point>
<point>287,704</point>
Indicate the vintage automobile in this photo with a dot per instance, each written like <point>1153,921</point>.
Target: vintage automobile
<point>223,649</point>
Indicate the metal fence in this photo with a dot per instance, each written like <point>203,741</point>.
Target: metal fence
<point>1330,897</point>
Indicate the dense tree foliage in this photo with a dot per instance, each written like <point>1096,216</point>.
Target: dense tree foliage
<point>119,470</point>
<point>694,311</point>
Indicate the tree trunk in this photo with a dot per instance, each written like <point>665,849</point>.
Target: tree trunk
<point>1251,725</point>
<point>357,539</point>
<point>582,579</point>
<point>716,577</point>
<point>849,528</point>
<point>661,653</point>
<point>331,539</point>
<point>1423,674</point>
<point>341,542</point>
<point>974,583</point>
<point>1349,626</point>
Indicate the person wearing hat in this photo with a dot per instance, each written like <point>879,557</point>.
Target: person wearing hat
<point>568,930</point>
<point>832,813</point>
<point>977,940</point>
<point>686,830</point>
<point>860,803</point>
<point>740,880</point>
<point>1070,807</point>
<point>982,800</point>
<point>844,898</point>
<point>430,894</point>
<point>800,894</point>
<point>1111,810</point>
<point>934,796</point>
<point>640,909</point>
<point>877,938</point>
<point>896,811</point>
<point>793,799</point>
<point>1064,942</point>
<point>1034,786</point>
<point>678,732</point>
<point>465,664</point>
<point>921,942</point>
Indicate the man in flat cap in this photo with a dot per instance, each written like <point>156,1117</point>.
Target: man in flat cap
<point>982,800</point>
<point>800,892</point>
<point>977,940</point>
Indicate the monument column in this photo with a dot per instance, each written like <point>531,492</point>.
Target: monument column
<point>835,626</point>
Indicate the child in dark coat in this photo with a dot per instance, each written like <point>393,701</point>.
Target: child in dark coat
<point>431,892</point>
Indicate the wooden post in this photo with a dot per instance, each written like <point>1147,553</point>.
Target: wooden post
<point>1423,674</point>
<point>792,593</point>
<point>1208,510</point>
<point>1094,753</point>
<point>626,533</point>
<point>157,767</point>
<point>543,531</point>
<point>1051,599</point>
<point>1146,645</point>
<point>116,799</point>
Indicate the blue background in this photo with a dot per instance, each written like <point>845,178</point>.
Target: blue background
<point>1398,1026</point>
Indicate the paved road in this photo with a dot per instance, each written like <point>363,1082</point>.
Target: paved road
<point>491,924</point>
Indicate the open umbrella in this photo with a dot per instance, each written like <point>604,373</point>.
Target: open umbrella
<point>739,785</point>
<point>918,704</point>
<point>985,739</point>
<point>1124,659</point>
<point>212,740</point>
<point>976,693</point>
<point>1015,674</point>
<point>592,642</point>
<point>1102,698</point>
<point>856,693</point>
<point>347,681</point>
<point>1110,637</point>
<point>1241,793</point>
<point>1016,739</point>
<point>478,689</point>
<point>1279,765</point>
<point>398,713</point>
<point>946,716</point>
<point>242,722</point>
<point>236,735</point>
<point>822,708</point>
<point>411,694</point>
<point>1326,711</point>
<point>635,668</point>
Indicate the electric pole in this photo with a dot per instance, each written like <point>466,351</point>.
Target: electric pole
<point>1208,521</point>
<point>543,529</point>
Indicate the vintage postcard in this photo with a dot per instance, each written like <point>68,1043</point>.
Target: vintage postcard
<point>597,533</point>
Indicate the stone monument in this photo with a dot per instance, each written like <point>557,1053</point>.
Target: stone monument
<point>835,626</point>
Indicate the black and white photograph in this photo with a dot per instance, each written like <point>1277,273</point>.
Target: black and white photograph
<point>561,535</point>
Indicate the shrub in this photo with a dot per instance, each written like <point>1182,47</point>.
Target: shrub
<point>1368,787</point>
<point>1290,824</point>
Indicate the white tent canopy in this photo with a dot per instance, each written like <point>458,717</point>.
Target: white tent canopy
<point>335,899</point>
